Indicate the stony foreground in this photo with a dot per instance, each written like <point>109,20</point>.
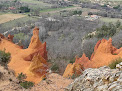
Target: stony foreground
<point>102,79</point>
<point>54,82</point>
<point>8,81</point>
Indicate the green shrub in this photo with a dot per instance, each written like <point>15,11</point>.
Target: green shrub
<point>24,9</point>
<point>24,84</point>
<point>4,57</point>
<point>20,36</point>
<point>71,61</point>
<point>115,62</point>
<point>21,76</point>
<point>27,84</point>
<point>54,67</point>
<point>106,30</point>
<point>116,7</point>
<point>114,54</point>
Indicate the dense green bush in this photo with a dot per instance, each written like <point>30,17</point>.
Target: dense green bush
<point>24,9</point>
<point>79,12</point>
<point>21,76</point>
<point>27,84</point>
<point>115,62</point>
<point>4,57</point>
<point>106,30</point>
<point>116,7</point>
<point>24,84</point>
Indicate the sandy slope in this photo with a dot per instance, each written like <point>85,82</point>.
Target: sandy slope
<point>54,82</point>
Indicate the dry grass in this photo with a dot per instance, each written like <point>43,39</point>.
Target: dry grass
<point>8,17</point>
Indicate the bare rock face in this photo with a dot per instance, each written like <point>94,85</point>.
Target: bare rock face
<point>102,79</point>
<point>28,61</point>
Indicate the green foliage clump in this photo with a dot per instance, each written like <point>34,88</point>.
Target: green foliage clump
<point>72,60</point>
<point>114,54</point>
<point>106,30</point>
<point>115,62</point>
<point>21,76</point>
<point>24,9</point>
<point>24,84</point>
<point>116,7</point>
<point>27,84</point>
<point>55,67</point>
<point>4,57</point>
<point>20,36</point>
<point>79,12</point>
<point>118,24</point>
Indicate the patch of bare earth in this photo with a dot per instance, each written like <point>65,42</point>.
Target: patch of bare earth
<point>54,82</point>
<point>8,17</point>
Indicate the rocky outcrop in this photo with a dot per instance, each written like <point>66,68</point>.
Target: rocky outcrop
<point>28,61</point>
<point>104,53</point>
<point>102,79</point>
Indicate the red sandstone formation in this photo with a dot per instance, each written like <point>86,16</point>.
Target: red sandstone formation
<point>71,69</point>
<point>83,60</point>
<point>104,53</point>
<point>30,61</point>
<point>77,67</point>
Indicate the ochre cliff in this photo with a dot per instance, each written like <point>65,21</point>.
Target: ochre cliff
<point>30,61</point>
<point>104,53</point>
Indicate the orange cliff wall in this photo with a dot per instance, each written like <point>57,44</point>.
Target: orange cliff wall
<point>103,55</point>
<point>30,61</point>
